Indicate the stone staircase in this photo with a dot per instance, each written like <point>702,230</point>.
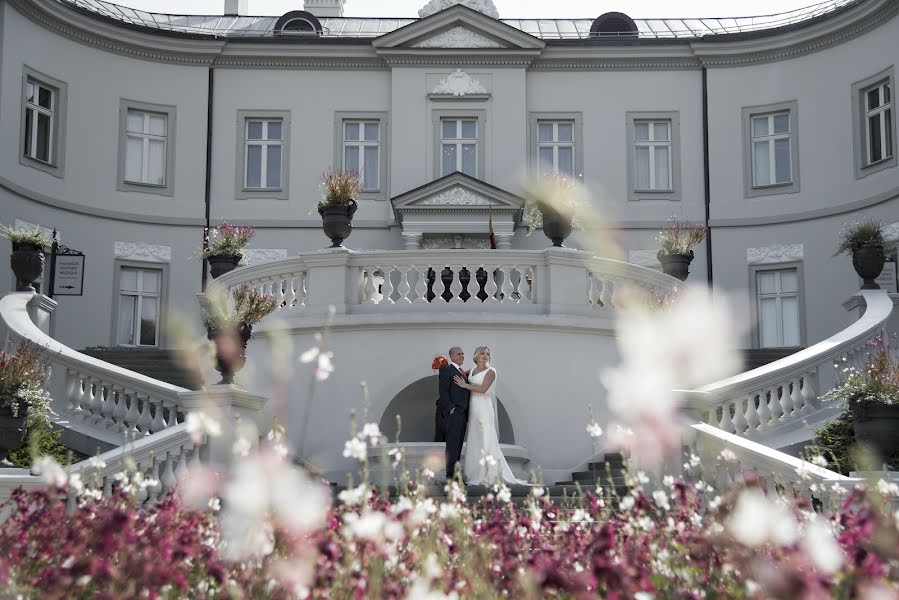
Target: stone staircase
<point>754,358</point>
<point>152,362</point>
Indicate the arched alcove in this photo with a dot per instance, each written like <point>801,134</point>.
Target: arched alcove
<point>416,404</point>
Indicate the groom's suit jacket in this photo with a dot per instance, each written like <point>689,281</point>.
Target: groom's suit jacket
<point>451,395</point>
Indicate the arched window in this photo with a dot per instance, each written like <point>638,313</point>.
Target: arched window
<point>298,22</point>
<point>613,24</point>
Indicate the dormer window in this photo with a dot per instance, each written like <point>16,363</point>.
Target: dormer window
<point>298,22</point>
<point>613,24</point>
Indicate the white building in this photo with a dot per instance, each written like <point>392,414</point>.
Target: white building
<point>129,133</point>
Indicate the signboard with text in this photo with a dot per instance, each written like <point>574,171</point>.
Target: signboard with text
<point>68,275</point>
<point>887,278</point>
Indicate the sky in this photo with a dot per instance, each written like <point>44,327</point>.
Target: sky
<point>507,8</point>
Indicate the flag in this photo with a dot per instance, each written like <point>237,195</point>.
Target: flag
<point>490,227</point>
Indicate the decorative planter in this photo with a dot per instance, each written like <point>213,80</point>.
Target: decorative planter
<point>230,351</point>
<point>868,263</point>
<point>221,264</point>
<point>337,221</point>
<point>875,426</point>
<point>556,226</point>
<point>12,429</point>
<point>676,265</point>
<point>27,262</point>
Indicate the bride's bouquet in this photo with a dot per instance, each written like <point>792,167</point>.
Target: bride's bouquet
<point>438,362</point>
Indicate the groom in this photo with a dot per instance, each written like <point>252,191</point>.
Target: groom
<point>454,405</point>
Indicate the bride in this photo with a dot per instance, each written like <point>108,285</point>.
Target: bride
<point>484,462</point>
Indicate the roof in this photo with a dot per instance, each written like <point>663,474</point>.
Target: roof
<point>217,26</point>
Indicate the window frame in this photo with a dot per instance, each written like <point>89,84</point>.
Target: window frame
<point>534,120</point>
<point>56,166</point>
<point>170,112</point>
<point>243,192</point>
<point>478,115</point>
<point>754,296</point>
<point>341,117</point>
<point>674,194</point>
<point>162,307</point>
<point>750,189</point>
<point>860,125</point>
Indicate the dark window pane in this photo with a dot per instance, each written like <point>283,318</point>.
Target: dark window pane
<point>43,138</point>
<point>888,122</point>
<point>875,139</point>
<point>873,98</point>
<point>29,115</point>
<point>44,97</point>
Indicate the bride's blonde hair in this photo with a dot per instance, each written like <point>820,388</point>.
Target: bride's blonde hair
<point>479,351</point>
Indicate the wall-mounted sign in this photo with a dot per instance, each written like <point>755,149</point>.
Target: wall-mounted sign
<point>68,275</point>
<point>887,279</point>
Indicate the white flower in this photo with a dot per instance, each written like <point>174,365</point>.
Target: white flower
<point>822,548</point>
<point>50,470</point>
<point>355,448</point>
<point>215,504</point>
<point>727,455</point>
<point>242,447</point>
<point>372,432</point>
<point>661,499</point>
<point>594,430</point>
<point>372,525</point>
<point>626,503</point>
<point>97,463</point>
<point>356,495</point>
<point>887,489</point>
<point>503,494</point>
<point>579,515</point>
<point>454,492</point>
<point>200,425</point>
<point>427,473</point>
<point>449,511</point>
<point>820,461</point>
<point>324,367</point>
<point>487,460</point>
<point>537,491</point>
<point>756,520</point>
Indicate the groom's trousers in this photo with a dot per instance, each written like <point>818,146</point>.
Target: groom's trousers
<point>456,424</point>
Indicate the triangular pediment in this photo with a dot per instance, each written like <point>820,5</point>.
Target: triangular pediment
<point>457,192</point>
<point>458,27</point>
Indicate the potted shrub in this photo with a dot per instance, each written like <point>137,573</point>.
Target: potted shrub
<point>872,396</point>
<point>339,204</point>
<point>224,251</point>
<point>676,242</point>
<point>864,241</point>
<point>555,204</point>
<point>21,379</point>
<point>27,259</point>
<point>231,327</point>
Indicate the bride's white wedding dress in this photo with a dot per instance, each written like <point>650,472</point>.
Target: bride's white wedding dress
<point>484,462</point>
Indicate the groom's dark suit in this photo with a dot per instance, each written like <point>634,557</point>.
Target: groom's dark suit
<point>453,399</point>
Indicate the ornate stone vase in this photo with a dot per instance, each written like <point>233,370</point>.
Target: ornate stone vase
<point>27,262</point>
<point>676,265</point>
<point>868,263</point>
<point>220,264</point>
<point>12,429</point>
<point>337,221</point>
<point>556,226</point>
<point>230,350</point>
<point>875,426</point>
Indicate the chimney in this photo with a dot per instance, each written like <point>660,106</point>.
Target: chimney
<point>236,8</point>
<point>324,8</point>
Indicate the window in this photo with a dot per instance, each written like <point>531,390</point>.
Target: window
<point>146,148</point>
<point>362,151</point>
<point>653,162</point>
<point>652,155</point>
<point>43,122</point>
<point>459,146</point>
<point>878,123</point>
<point>263,158</point>
<point>778,307</point>
<point>555,147</point>
<point>771,149</point>
<point>139,306</point>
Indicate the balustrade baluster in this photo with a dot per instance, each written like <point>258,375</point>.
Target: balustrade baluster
<point>158,423</point>
<point>508,292</point>
<point>144,421</point>
<point>739,418</point>
<point>522,288</point>
<point>404,288</point>
<point>490,287</point>
<point>764,413</point>
<point>121,408</point>
<point>133,414</point>
<point>170,413</point>
<point>73,391</point>
<point>810,399</point>
<point>291,298</point>
<point>181,469</point>
<point>368,288</point>
<point>154,490</point>
<point>387,286</point>
<point>752,415</point>
<point>107,485</point>
<point>195,462</point>
<point>421,286</point>
<point>795,398</point>
<point>303,291</point>
<point>605,297</point>
<point>593,290</point>
<point>91,407</point>
<point>168,474</point>
<point>456,286</point>
<point>726,423</point>
<point>107,404</point>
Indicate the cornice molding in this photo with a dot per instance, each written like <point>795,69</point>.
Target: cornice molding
<point>455,58</point>
<point>615,64</point>
<point>301,62</point>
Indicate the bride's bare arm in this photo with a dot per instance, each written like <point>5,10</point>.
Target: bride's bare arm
<point>489,378</point>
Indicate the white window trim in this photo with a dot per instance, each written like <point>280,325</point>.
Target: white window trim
<point>754,295</point>
<point>860,125</point>
<point>478,115</point>
<point>243,192</point>
<point>341,117</point>
<point>771,138</point>
<point>161,307</point>
<point>674,193</point>
<point>750,190</point>
<point>56,165</point>
<point>168,188</point>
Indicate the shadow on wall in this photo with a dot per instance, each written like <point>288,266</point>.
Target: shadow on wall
<point>416,405</point>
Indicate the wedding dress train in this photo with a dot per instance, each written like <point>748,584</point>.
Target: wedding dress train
<point>484,461</point>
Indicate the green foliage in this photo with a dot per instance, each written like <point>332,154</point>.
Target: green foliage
<point>836,443</point>
<point>33,237</point>
<point>341,188</point>
<point>40,440</point>
<point>860,235</point>
<point>250,307</point>
<point>877,382</point>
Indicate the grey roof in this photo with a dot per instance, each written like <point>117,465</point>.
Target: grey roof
<point>546,29</point>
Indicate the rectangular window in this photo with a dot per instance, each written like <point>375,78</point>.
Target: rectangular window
<point>778,299</point>
<point>362,152</point>
<point>555,147</point>
<point>263,149</point>
<point>652,155</point>
<point>139,306</point>
<point>40,120</point>
<point>459,146</point>
<point>878,108</point>
<point>146,135</point>
<point>771,162</point>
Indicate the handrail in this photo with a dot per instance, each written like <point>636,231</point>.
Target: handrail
<point>785,390</point>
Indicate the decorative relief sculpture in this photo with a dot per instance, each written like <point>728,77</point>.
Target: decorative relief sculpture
<point>775,254</point>
<point>144,252</point>
<point>456,196</point>
<point>458,37</point>
<point>482,6</point>
<point>459,83</point>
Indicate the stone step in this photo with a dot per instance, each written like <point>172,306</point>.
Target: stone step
<point>155,363</point>
<point>592,477</point>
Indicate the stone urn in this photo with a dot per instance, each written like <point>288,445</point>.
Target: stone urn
<point>12,429</point>
<point>220,264</point>
<point>27,262</point>
<point>556,225</point>
<point>868,263</point>
<point>875,426</point>
<point>337,221</point>
<point>676,265</point>
<point>230,350</point>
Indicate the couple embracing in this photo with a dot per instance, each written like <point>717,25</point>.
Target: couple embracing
<point>469,413</point>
